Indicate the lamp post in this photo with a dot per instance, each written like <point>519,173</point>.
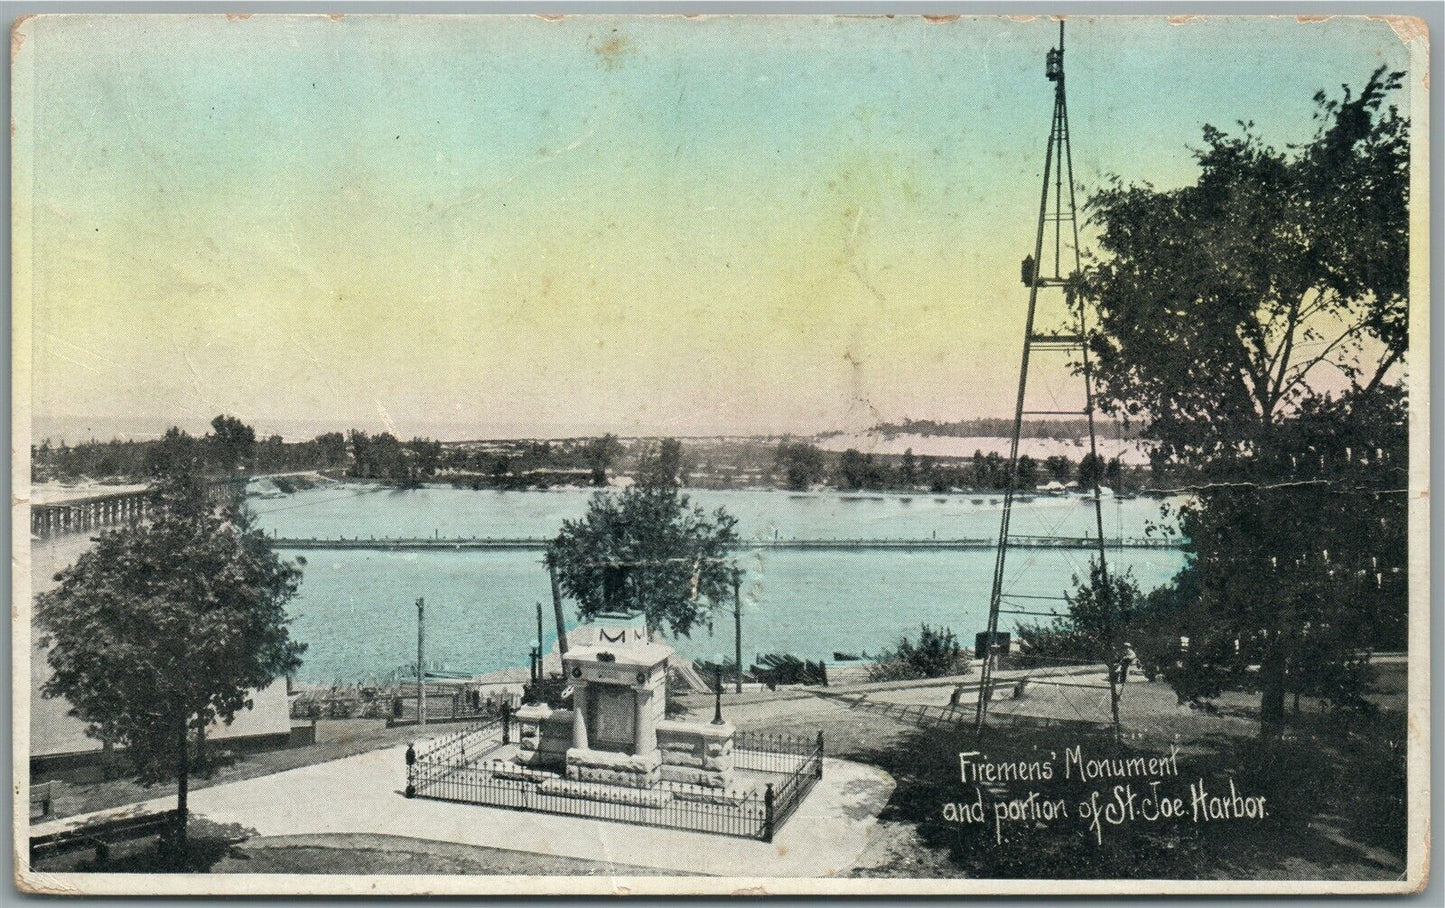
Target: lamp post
<point>420,656</point>
<point>738,626</point>
<point>717,718</point>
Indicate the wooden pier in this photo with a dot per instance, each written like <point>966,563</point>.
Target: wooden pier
<point>474,544</point>
<point>95,512</point>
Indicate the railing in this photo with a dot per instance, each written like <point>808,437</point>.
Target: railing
<point>449,770</point>
<point>452,748</point>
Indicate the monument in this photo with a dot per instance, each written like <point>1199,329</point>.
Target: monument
<point>617,731</point>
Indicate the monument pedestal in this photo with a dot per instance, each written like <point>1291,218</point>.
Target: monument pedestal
<point>610,768</point>
<point>617,732</point>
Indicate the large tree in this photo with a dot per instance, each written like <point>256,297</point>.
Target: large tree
<point>167,626</point>
<point>1220,308</point>
<point>1218,302</point>
<point>647,550</point>
<point>234,443</point>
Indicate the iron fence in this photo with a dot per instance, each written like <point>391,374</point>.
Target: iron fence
<point>454,769</point>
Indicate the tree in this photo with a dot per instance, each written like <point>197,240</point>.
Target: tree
<point>661,465</point>
<point>1026,471</point>
<point>234,443</point>
<point>331,447</point>
<point>599,454</point>
<point>1101,618</point>
<point>501,467</point>
<point>361,463</point>
<point>802,464</point>
<point>853,469</point>
<point>908,469</point>
<point>165,627</point>
<point>1216,306</point>
<point>1114,473</point>
<point>1059,467</point>
<point>177,454</point>
<point>1217,301</point>
<point>1091,470</point>
<point>426,456</point>
<point>388,458</point>
<point>647,550</point>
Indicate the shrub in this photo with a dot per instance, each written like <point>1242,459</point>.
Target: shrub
<point>936,655</point>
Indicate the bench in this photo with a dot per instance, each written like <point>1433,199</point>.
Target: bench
<point>42,800</point>
<point>102,835</point>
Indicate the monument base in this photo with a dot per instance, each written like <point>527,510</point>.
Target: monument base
<point>609,768</point>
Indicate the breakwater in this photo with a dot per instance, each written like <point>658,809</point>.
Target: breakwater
<point>471,544</point>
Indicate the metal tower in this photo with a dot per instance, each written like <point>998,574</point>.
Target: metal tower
<point>1058,166</point>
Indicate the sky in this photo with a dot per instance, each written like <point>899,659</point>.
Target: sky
<point>470,227</point>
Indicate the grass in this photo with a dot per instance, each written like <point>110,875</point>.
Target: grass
<point>217,849</point>
<point>83,789</point>
<point>1335,786</point>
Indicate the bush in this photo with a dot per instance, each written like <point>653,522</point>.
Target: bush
<point>936,655</point>
<point>549,691</point>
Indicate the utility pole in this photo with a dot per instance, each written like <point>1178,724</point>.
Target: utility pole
<point>557,606</point>
<point>420,655</point>
<point>738,628</point>
<point>539,641</point>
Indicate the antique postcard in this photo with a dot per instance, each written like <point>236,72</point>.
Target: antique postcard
<point>621,454</point>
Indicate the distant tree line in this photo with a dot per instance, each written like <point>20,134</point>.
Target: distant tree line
<point>998,428</point>
<point>233,448</point>
<point>800,465</point>
<point>229,449</point>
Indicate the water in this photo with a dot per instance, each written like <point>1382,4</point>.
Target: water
<point>356,610</point>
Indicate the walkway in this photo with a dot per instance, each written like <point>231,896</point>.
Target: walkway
<point>362,794</point>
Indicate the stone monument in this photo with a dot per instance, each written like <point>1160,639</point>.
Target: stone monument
<point>617,732</point>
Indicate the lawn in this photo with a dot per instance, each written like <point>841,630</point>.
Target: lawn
<point>1334,789</point>
<point>226,849</point>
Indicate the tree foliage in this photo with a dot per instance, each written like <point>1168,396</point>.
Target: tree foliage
<point>1219,307</point>
<point>163,627</point>
<point>661,465</point>
<point>801,464</point>
<point>647,550</point>
<point>1216,302</point>
<point>599,454</point>
<point>234,441</point>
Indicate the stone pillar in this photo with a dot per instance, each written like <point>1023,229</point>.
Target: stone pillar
<point>579,714</point>
<point>644,732</point>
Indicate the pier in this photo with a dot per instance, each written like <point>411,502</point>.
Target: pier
<point>474,544</point>
<point>94,512</point>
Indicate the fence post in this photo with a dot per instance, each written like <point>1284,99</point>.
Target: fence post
<point>768,813</point>
<point>820,754</point>
<point>506,722</point>
<point>410,771</point>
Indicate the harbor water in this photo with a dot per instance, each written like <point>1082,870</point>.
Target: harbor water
<point>356,609</point>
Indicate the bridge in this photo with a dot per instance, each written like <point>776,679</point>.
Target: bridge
<point>485,544</point>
